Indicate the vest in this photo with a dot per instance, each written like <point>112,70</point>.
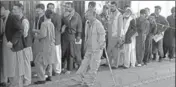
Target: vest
<point>27,41</point>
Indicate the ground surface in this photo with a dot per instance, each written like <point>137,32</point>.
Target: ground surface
<point>155,74</point>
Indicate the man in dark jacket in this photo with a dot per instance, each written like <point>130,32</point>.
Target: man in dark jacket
<point>72,33</point>
<point>169,36</point>
<point>158,45</point>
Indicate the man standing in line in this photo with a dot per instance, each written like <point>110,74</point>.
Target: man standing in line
<point>115,29</point>
<point>46,55</point>
<point>56,19</point>
<point>4,16</point>
<point>27,51</point>
<point>40,10</point>
<point>169,36</point>
<point>94,43</point>
<point>13,48</point>
<point>142,25</point>
<point>72,24</point>
<point>158,45</point>
<point>129,48</point>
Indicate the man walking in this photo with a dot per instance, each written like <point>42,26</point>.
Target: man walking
<point>94,45</point>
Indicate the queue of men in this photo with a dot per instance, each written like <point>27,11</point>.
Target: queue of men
<point>52,41</point>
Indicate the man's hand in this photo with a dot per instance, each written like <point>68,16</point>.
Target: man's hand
<point>102,46</point>
<point>78,39</point>
<point>9,44</point>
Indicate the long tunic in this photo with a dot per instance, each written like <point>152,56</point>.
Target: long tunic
<point>46,37</point>
<point>14,62</point>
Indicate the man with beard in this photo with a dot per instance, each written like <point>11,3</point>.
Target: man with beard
<point>114,35</point>
<point>56,19</point>
<point>169,36</point>
<point>158,45</point>
<point>129,48</point>
<point>73,27</point>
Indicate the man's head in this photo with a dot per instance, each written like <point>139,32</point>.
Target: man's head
<point>105,8</point>
<point>128,12</point>
<point>92,5</point>
<point>147,11</point>
<point>113,6</point>
<point>3,9</point>
<point>18,9</point>
<point>90,14</point>
<point>50,6</point>
<point>157,9</point>
<point>143,13</point>
<point>69,6</point>
<point>40,8</point>
<point>48,14</point>
<point>173,11</point>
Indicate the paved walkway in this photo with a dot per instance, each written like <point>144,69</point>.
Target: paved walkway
<point>145,76</point>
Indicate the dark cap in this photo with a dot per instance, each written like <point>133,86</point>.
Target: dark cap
<point>158,7</point>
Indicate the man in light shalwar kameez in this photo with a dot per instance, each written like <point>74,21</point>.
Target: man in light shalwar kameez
<point>94,45</point>
<point>129,49</point>
<point>13,52</point>
<point>45,57</point>
<point>115,32</point>
<point>27,51</point>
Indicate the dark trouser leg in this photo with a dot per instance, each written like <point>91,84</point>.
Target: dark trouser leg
<point>165,49</point>
<point>1,62</point>
<point>160,49</point>
<point>78,54</point>
<point>71,54</point>
<point>148,49</point>
<point>171,52</point>
<point>140,47</point>
<point>154,49</point>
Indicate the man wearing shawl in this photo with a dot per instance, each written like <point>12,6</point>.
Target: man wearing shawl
<point>129,48</point>
<point>72,33</point>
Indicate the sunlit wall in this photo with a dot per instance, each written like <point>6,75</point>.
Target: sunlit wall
<point>166,6</point>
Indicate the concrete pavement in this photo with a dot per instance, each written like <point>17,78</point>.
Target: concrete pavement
<point>133,77</point>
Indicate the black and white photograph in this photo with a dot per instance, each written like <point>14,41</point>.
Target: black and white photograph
<point>79,43</point>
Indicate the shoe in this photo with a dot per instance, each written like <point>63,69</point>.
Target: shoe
<point>113,67</point>
<point>40,82</point>
<point>48,78</point>
<point>139,65</point>
<point>56,74</point>
<point>145,63</point>
<point>160,60</point>
<point>3,84</point>
<point>124,67</point>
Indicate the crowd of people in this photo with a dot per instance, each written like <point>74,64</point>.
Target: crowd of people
<point>61,43</point>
